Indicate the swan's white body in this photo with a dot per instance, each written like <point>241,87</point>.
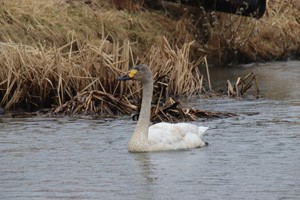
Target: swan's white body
<point>166,136</point>
<point>162,136</point>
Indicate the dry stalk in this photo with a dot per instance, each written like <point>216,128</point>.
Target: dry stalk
<point>36,77</point>
<point>242,85</point>
<point>183,74</point>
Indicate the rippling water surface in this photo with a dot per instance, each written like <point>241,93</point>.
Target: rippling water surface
<point>255,155</point>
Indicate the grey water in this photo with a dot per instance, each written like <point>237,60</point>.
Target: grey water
<point>255,155</point>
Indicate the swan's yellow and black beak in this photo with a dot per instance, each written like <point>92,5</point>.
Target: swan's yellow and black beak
<point>129,76</point>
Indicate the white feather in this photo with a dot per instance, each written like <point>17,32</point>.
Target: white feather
<point>166,136</point>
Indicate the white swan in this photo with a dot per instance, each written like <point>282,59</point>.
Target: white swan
<point>161,136</point>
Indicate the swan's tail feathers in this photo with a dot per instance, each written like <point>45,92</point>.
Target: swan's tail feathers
<point>201,130</point>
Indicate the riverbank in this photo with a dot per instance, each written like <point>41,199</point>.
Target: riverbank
<point>53,50</point>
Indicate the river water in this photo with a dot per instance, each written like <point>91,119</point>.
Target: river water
<point>255,155</point>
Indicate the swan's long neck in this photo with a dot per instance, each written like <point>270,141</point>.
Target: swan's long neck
<point>144,118</point>
<point>139,138</point>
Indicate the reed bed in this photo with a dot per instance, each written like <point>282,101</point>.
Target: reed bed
<point>40,78</point>
<point>183,74</point>
<point>54,51</point>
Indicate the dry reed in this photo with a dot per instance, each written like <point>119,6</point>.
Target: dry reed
<point>184,75</point>
<point>51,51</point>
<point>95,103</point>
<point>32,77</point>
<point>39,78</point>
<point>243,85</point>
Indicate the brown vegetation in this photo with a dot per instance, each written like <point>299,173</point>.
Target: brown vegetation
<point>51,51</point>
<point>233,39</point>
<point>100,104</point>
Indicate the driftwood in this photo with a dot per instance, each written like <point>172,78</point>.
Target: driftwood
<point>96,103</point>
<point>172,111</point>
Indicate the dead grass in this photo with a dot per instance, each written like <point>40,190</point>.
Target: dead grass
<point>233,39</point>
<point>39,78</point>
<point>34,78</point>
<point>51,51</point>
<point>183,74</point>
<point>99,104</point>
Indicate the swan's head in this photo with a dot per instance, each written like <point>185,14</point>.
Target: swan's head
<point>140,73</point>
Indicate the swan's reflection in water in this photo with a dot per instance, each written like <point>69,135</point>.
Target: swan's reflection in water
<point>147,169</point>
<point>147,173</point>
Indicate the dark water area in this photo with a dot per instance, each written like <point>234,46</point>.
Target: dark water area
<point>255,155</point>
